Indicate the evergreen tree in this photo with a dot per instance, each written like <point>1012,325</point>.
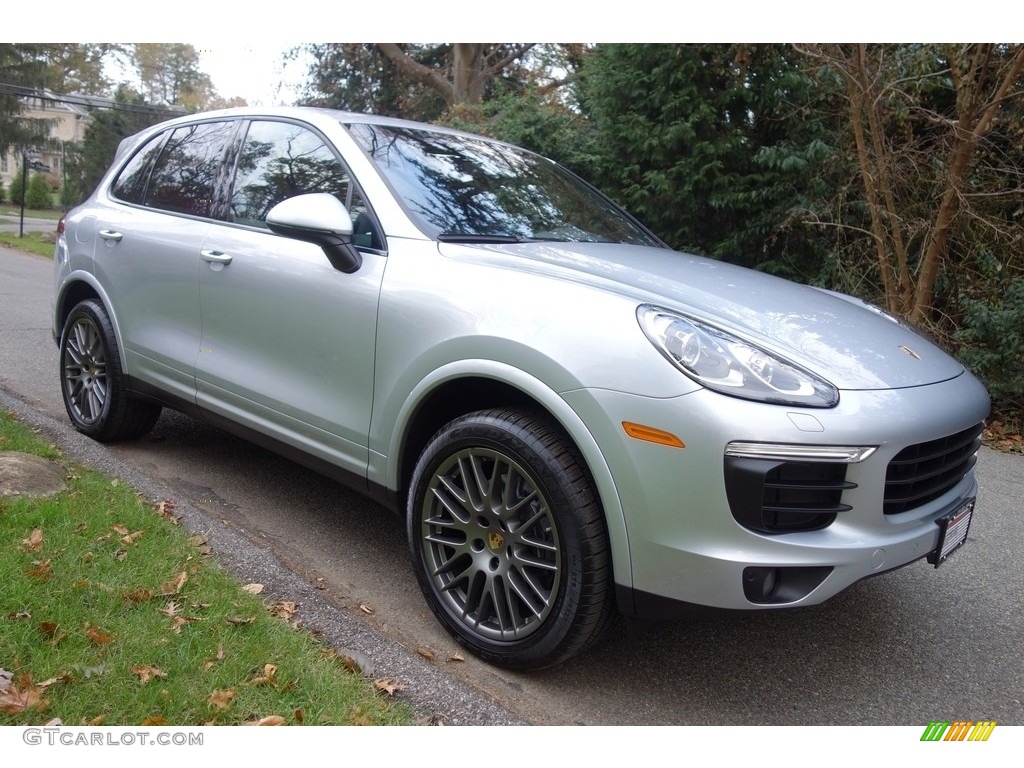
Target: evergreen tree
<point>38,194</point>
<point>704,144</point>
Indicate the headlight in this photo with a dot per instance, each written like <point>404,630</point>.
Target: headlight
<point>722,362</point>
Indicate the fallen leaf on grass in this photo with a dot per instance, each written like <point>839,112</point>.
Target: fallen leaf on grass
<point>64,677</point>
<point>119,529</point>
<point>98,720</point>
<point>141,595</point>
<point>222,698</point>
<point>16,616</point>
<point>253,589</point>
<point>34,542</point>
<point>131,538</point>
<point>147,673</point>
<point>39,570</point>
<point>389,685</point>
<point>97,635</point>
<point>284,609</point>
<point>299,717</point>
<point>240,621</point>
<point>269,720</point>
<point>155,720</point>
<point>174,586</point>
<point>166,510</point>
<point>180,621</point>
<point>51,631</point>
<point>21,696</point>
<point>267,676</point>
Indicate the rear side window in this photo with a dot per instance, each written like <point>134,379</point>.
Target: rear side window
<point>180,172</point>
<point>281,160</point>
<point>184,179</point>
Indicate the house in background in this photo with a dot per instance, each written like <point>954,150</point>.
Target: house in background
<point>67,117</point>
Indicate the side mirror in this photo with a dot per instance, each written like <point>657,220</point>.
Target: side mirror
<point>321,219</point>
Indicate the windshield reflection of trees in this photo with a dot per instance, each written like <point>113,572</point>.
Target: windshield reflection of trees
<point>467,186</point>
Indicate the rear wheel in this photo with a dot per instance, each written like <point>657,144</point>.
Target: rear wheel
<point>93,382</point>
<point>509,541</point>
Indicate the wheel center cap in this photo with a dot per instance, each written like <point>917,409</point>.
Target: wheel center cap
<point>495,541</point>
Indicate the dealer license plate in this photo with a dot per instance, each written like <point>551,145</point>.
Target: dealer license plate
<point>952,533</point>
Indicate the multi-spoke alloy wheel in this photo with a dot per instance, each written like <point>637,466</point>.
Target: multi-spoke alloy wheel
<point>508,539</point>
<point>490,544</point>
<point>85,370</point>
<point>92,380</point>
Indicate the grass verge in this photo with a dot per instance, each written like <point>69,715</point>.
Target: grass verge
<point>111,614</point>
<point>32,242</point>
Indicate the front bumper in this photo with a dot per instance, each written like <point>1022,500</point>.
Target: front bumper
<point>684,544</point>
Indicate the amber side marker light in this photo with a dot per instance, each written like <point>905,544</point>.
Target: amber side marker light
<point>652,435</point>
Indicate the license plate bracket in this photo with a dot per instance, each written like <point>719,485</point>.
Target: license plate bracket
<point>953,530</point>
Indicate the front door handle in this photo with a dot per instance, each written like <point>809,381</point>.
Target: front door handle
<point>214,257</point>
<point>110,234</point>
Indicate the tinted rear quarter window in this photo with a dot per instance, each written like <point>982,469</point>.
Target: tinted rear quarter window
<point>131,182</point>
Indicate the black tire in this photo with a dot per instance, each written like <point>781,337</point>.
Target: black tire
<point>508,540</point>
<point>92,381</point>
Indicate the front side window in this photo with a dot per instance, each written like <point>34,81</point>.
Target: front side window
<point>281,160</point>
<point>184,179</point>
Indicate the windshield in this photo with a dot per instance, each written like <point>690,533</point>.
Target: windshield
<point>465,188</point>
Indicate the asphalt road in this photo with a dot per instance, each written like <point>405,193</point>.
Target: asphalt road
<point>905,648</point>
<point>14,224</point>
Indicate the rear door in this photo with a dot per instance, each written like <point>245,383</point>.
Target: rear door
<point>147,251</point>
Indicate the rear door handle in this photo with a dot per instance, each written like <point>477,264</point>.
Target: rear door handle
<point>110,234</point>
<point>214,257</point>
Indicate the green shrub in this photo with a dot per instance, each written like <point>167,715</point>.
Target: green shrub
<point>14,193</point>
<point>38,195</point>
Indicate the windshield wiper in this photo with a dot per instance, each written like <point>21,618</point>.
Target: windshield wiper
<point>459,237</point>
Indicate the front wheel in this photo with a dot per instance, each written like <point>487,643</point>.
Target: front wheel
<point>92,379</point>
<point>508,539</point>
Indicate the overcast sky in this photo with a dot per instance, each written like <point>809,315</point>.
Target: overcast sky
<point>254,71</point>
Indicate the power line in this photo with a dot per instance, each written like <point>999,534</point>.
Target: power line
<point>92,102</point>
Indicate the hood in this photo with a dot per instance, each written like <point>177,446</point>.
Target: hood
<point>842,339</point>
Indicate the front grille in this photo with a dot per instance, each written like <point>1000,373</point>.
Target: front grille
<point>782,496</point>
<point>922,472</point>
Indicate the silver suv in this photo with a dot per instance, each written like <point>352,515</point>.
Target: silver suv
<point>572,418</point>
